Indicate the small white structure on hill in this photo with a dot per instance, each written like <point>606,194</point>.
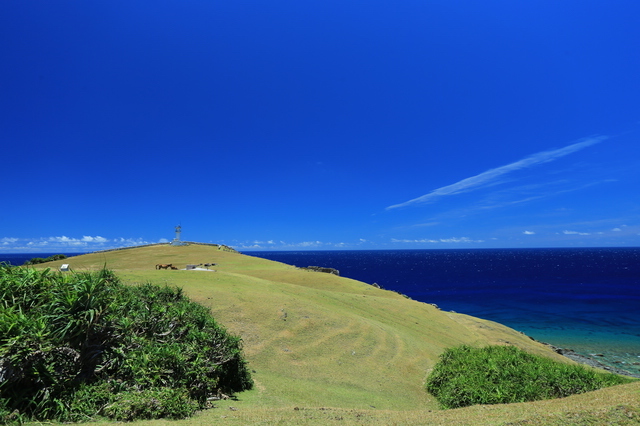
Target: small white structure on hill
<point>176,241</point>
<point>64,267</point>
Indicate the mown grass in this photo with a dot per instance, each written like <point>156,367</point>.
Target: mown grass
<point>333,347</point>
<point>616,406</point>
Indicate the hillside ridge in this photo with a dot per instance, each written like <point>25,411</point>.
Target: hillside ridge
<point>317,339</point>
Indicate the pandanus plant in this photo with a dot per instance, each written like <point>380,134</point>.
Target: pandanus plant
<point>62,334</point>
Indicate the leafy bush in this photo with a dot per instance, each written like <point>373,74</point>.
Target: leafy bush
<point>77,346</point>
<point>37,260</point>
<point>503,374</point>
<point>151,404</point>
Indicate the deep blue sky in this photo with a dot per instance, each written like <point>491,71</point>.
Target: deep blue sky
<point>320,124</point>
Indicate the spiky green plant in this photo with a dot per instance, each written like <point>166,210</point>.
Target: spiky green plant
<point>503,374</point>
<point>66,336</point>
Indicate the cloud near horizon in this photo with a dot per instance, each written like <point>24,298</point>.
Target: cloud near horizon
<point>67,244</point>
<point>441,240</point>
<point>300,245</point>
<point>575,233</point>
<point>490,177</point>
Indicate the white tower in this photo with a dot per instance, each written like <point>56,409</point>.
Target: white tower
<point>176,241</point>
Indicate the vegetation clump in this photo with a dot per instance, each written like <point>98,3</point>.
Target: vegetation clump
<point>322,269</point>
<point>37,260</point>
<point>467,376</point>
<point>76,347</point>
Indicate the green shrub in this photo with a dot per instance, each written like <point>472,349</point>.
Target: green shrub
<point>151,404</point>
<point>503,374</point>
<point>37,260</point>
<point>77,346</point>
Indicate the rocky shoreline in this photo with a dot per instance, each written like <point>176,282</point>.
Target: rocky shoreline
<point>592,362</point>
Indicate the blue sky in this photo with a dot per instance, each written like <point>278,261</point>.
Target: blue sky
<point>288,125</point>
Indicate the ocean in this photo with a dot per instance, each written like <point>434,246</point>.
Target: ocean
<point>17,259</point>
<point>586,299</point>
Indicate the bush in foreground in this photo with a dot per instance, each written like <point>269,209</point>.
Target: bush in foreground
<point>503,374</point>
<point>79,346</point>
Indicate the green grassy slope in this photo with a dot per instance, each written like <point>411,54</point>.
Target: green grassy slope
<point>318,341</point>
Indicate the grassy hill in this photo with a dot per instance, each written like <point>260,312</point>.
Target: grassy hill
<point>326,349</point>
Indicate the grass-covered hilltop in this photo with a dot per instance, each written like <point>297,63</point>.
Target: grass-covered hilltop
<point>317,348</point>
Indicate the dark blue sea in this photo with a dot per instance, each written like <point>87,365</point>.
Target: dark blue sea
<point>17,259</point>
<point>587,299</point>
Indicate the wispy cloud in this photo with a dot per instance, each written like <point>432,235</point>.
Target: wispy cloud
<point>575,233</point>
<point>300,245</point>
<point>493,176</point>
<point>278,245</point>
<point>441,240</point>
<point>66,244</point>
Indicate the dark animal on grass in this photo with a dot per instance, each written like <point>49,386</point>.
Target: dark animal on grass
<point>163,265</point>
<point>174,268</point>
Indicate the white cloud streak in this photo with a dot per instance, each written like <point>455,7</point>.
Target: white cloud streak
<point>490,177</point>
<point>273,245</point>
<point>67,244</point>
<point>441,240</point>
<point>575,233</point>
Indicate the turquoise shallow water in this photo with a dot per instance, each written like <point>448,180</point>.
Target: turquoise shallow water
<point>610,348</point>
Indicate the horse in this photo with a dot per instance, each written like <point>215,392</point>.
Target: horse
<point>164,266</point>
